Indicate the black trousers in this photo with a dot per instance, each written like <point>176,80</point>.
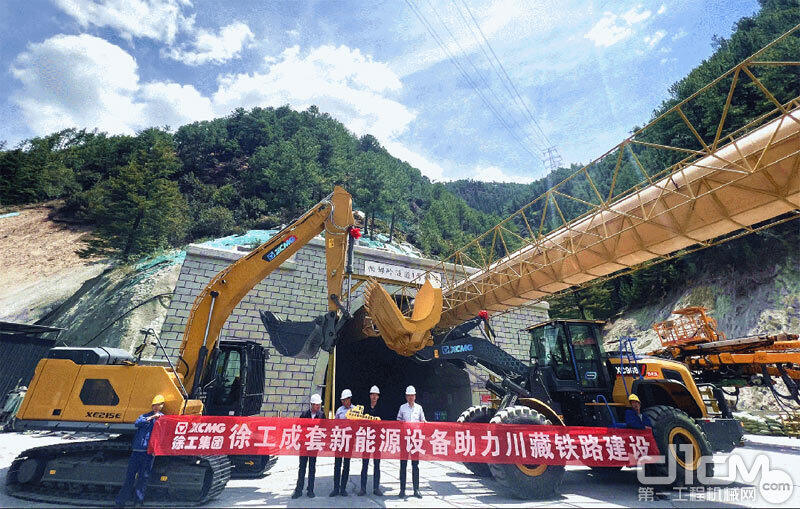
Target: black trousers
<point>341,471</point>
<point>376,473</point>
<point>301,472</point>
<point>414,474</point>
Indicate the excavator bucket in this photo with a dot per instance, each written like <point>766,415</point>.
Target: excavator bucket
<point>406,336</point>
<point>301,340</point>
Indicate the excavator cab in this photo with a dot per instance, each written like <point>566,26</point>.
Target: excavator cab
<point>234,382</point>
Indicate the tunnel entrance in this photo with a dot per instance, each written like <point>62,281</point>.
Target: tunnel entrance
<point>443,389</point>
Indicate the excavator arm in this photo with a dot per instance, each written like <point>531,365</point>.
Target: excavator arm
<point>333,215</point>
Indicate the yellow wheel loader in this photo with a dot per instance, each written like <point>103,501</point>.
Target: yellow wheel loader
<point>569,380</point>
<point>104,390</point>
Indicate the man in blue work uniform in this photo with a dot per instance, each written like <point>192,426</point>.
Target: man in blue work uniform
<point>634,418</point>
<point>140,463</point>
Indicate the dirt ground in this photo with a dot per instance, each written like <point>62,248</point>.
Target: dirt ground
<point>448,484</point>
<point>40,266</point>
<point>33,247</point>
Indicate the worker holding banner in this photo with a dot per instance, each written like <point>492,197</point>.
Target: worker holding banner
<point>141,461</point>
<point>341,466</point>
<point>314,412</point>
<point>410,412</point>
<point>374,410</point>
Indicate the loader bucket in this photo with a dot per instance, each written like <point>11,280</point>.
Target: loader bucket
<point>406,336</point>
<point>301,340</point>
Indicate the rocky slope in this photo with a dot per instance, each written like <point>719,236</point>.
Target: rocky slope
<point>40,266</point>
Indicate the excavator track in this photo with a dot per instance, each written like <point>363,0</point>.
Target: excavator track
<point>90,473</point>
<point>251,467</point>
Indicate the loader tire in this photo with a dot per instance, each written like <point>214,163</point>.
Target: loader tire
<point>671,428</point>
<point>526,481</point>
<point>482,414</point>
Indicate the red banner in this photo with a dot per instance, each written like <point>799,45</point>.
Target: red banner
<point>432,441</point>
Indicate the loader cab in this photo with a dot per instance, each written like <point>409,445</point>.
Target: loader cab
<point>234,380</point>
<point>572,367</point>
<point>571,352</point>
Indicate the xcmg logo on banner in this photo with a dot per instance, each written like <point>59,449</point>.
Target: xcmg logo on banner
<point>434,441</point>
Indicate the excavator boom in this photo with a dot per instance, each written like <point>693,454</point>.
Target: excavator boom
<point>333,215</point>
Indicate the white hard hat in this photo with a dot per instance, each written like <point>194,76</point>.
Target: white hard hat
<point>315,399</point>
<point>374,390</point>
<point>410,390</point>
<point>346,394</point>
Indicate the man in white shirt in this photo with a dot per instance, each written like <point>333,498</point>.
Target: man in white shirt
<point>341,466</point>
<point>410,412</point>
<point>314,412</point>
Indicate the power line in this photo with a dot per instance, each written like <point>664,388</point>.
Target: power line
<point>510,81</point>
<point>514,95</point>
<point>465,75</point>
<point>465,56</point>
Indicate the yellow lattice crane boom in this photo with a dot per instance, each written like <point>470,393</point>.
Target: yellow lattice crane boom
<point>743,178</point>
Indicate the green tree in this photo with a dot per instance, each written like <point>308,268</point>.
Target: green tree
<point>136,212</point>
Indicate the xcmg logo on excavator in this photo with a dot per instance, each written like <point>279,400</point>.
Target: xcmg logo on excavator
<point>457,348</point>
<point>288,241</point>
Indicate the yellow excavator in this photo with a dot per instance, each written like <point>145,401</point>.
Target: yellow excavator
<point>103,390</point>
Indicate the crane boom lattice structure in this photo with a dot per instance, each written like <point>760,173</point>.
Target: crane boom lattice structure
<point>698,175</point>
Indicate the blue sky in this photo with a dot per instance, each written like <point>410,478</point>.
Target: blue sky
<point>421,77</point>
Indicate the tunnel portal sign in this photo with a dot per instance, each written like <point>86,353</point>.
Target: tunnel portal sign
<point>400,273</point>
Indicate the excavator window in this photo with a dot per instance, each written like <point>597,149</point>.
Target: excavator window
<point>549,346</point>
<point>228,385</point>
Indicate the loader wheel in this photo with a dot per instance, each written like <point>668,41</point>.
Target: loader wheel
<point>481,414</point>
<point>672,429</point>
<point>526,481</point>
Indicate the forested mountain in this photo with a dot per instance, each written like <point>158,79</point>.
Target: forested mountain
<point>263,167</point>
<point>251,169</point>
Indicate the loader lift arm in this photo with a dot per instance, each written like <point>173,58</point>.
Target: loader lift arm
<point>211,308</point>
<point>458,345</point>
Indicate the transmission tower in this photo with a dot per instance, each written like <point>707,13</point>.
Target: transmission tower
<point>552,159</point>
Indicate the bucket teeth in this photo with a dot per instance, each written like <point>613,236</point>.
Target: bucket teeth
<point>404,335</point>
